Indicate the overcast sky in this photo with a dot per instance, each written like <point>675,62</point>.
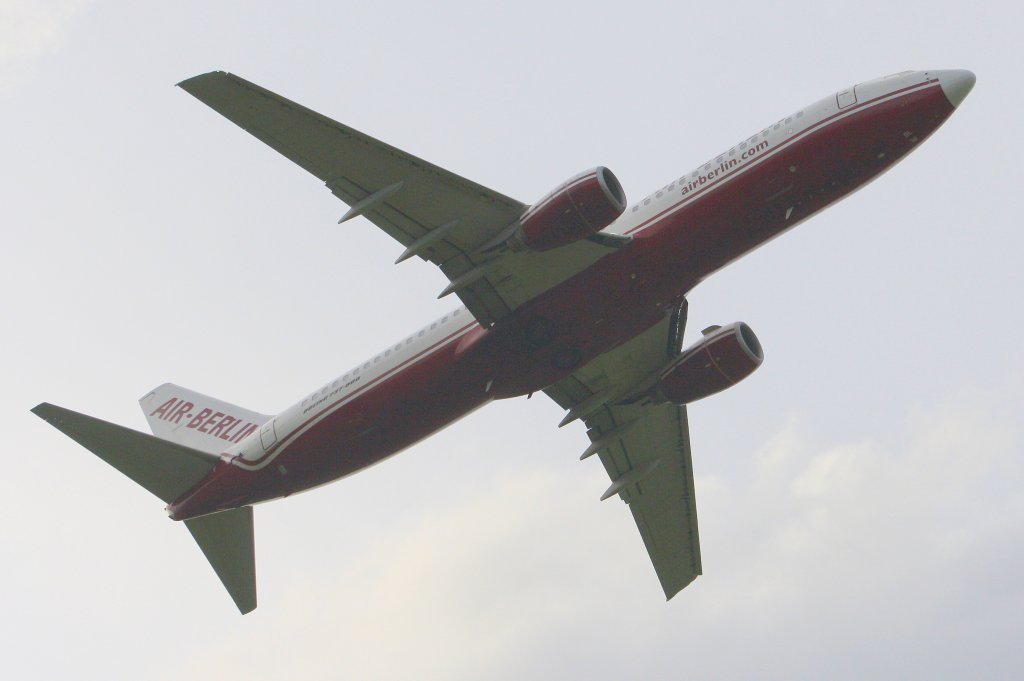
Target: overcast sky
<point>860,502</point>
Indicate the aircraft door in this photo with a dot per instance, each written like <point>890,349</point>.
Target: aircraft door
<point>846,98</point>
<point>268,434</point>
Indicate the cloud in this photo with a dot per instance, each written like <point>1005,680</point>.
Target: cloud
<point>866,557</point>
<point>871,551</point>
<point>488,571</point>
<point>30,29</point>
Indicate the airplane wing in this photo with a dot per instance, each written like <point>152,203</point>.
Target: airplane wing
<point>435,214</point>
<point>645,448</point>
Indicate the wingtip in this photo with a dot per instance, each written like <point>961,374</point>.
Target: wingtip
<point>247,608</point>
<point>184,84</point>
<point>41,409</point>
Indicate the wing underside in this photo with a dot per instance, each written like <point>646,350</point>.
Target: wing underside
<point>435,214</point>
<point>645,448</point>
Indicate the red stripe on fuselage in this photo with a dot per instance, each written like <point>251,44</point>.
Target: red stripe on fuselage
<point>400,409</point>
<point>342,400</point>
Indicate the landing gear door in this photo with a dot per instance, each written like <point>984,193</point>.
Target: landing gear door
<point>268,434</point>
<point>846,98</point>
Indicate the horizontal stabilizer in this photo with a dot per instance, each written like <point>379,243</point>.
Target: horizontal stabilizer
<point>166,469</point>
<point>226,539</point>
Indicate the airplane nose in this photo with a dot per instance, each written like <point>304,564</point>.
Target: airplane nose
<point>956,84</point>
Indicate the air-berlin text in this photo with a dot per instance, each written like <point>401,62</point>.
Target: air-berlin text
<point>724,166</point>
<point>213,423</point>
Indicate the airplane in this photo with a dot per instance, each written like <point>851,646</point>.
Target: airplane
<point>579,296</point>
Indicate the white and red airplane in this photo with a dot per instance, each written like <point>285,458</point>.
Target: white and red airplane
<point>579,296</point>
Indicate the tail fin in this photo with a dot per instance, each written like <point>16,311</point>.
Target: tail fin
<point>168,470</point>
<point>197,421</point>
<point>227,540</point>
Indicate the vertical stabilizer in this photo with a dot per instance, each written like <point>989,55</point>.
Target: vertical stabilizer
<point>226,539</point>
<point>196,420</point>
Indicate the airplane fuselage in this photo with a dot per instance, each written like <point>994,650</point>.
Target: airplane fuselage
<point>681,234</point>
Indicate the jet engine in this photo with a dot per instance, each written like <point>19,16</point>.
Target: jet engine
<point>580,207</point>
<point>722,358</point>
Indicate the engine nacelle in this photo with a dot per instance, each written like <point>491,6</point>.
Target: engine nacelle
<point>577,209</point>
<point>724,357</point>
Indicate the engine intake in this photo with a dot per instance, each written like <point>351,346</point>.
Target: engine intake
<point>723,358</point>
<point>580,207</point>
